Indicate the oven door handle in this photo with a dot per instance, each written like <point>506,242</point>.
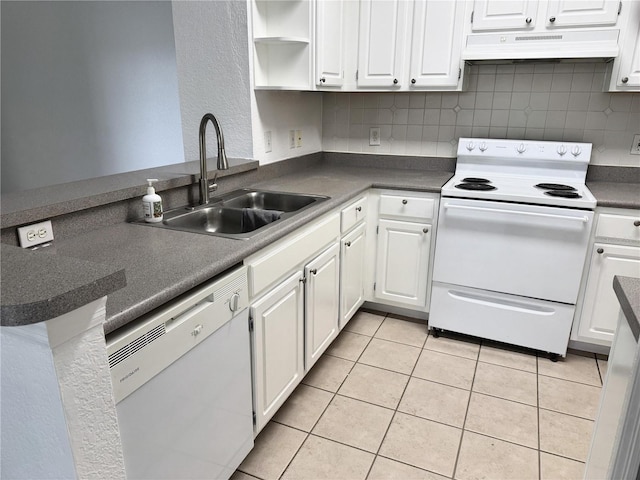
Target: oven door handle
<point>582,219</point>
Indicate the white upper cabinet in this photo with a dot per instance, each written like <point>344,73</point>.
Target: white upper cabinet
<point>527,14</point>
<point>582,13</point>
<point>381,50</point>
<point>625,69</point>
<point>504,15</point>
<point>282,34</point>
<point>554,29</point>
<point>436,44</point>
<point>329,43</point>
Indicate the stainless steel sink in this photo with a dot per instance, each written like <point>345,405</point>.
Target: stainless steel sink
<point>263,200</point>
<point>240,214</point>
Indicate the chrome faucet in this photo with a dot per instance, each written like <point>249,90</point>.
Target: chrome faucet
<point>222,157</point>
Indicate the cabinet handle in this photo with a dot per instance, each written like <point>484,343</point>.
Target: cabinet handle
<point>528,20</point>
<point>413,80</point>
<point>600,251</point>
<point>322,80</point>
<point>404,202</point>
<point>347,244</point>
<point>313,271</point>
<point>552,19</point>
<point>425,230</point>
<point>395,81</point>
<point>625,79</point>
<point>358,209</point>
<point>637,223</point>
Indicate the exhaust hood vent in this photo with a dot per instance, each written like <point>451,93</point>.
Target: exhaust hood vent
<point>593,44</point>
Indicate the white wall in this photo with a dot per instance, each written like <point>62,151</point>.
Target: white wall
<point>88,89</point>
<point>542,101</point>
<point>211,40</point>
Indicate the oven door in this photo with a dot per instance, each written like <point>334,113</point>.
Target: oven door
<point>529,250</point>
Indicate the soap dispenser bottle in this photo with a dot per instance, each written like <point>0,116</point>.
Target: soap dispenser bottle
<point>152,204</point>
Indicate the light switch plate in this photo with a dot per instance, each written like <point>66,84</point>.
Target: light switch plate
<point>35,234</point>
<point>374,136</point>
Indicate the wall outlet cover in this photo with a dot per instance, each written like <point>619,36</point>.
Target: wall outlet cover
<point>374,136</point>
<point>267,142</point>
<point>35,234</point>
<point>635,146</point>
<point>292,139</point>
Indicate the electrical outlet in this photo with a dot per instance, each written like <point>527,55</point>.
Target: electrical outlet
<point>374,136</point>
<point>35,234</point>
<point>292,139</point>
<point>267,141</point>
<point>298,138</point>
<point>635,146</point>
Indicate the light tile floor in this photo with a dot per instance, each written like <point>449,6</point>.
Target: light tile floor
<point>389,401</point>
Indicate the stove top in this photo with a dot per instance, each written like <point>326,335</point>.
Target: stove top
<point>535,172</point>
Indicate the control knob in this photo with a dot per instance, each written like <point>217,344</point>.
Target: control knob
<point>483,146</point>
<point>562,150</point>
<point>470,146</point>
<point>575,151</point>
<point>521,148</point>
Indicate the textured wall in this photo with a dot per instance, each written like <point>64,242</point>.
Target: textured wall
<point>85,384</point>
<point>213,73</point>
<point>542,101</point>
<point>88,89</point>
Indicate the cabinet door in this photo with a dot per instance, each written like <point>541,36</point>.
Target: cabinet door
<point>504,15</point>
<point>579,13</point>
<point>277,347</point>
<point>402,262</point>
<point>330,43</point>
<point>321,299</point>
<point>626,67</point>
<point>381,50</point>
<point>600,308</point>
<point>352,251</point>
<point>436,43</point>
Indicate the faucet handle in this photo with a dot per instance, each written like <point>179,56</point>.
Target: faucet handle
<point>213,186</point>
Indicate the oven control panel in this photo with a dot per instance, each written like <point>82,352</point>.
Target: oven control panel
<point>531,149</point>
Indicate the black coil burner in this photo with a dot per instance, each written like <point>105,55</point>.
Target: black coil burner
<point>556,186</point>
<point>475,183</point>
<point>563,194</point>
<point>475,180</point>
<point>475,186</point>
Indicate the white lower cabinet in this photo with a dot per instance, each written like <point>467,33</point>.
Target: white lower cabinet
<point>322,288</point>
<point>403,248</point>
<point>277,347</point>
<point>600,308</point>
<point>294,317</point>
<point>352,254</point>
<point>615,251</point>
<point>402,262</point>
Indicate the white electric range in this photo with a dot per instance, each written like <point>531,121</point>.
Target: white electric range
<point>512,237</point>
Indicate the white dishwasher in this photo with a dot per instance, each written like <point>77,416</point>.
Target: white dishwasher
<point>182,384</point>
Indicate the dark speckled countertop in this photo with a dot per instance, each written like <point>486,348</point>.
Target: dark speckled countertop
<point>616,194</point>
<point>161,264</point>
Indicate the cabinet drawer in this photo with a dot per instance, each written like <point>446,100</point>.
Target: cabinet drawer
<point>354,213</point>
<point>269,266</point>
<point>407,206</point>
<point>618,226</point>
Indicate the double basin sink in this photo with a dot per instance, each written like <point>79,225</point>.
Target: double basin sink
<point>239,214</point>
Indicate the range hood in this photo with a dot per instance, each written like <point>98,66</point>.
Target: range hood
<point>596,45</point>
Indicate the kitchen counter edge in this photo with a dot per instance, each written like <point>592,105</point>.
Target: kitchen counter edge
<point>628,292</point>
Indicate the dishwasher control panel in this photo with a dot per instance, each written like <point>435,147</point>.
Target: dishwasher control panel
<point>137,354</point>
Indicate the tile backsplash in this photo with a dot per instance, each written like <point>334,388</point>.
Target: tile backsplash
<point>532,101</point>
